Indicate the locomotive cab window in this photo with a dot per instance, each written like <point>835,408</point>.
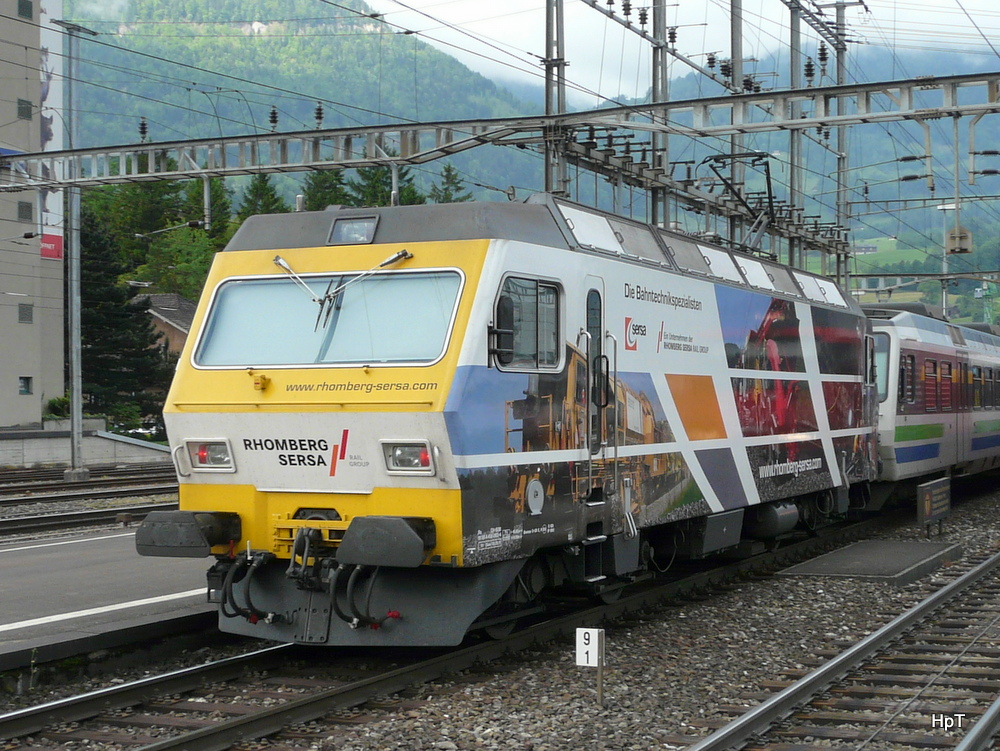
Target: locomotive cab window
<point>527,325</point>
<point>271,321</point>
<point>882,365</point>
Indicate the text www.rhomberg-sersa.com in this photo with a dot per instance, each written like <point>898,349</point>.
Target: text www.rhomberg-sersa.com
<point>363,388</point>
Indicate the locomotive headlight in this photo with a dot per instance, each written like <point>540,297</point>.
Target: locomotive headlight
<point>409,457</point>
<point>210,456</point>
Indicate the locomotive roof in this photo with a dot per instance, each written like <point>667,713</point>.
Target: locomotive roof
<point>541,220</point>
<point>400,224</point>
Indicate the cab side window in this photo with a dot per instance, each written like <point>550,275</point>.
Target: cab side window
<point>527,325</point>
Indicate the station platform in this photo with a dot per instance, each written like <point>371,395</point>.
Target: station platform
<point>894,562</point>
<point>67,595</point>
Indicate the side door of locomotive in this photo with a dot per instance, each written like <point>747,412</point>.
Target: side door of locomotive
<point>605,404</point>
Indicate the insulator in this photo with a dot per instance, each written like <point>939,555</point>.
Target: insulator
<point>318,114</point>
<point>726,68</point>
<point>643,16</point>
<point>756,87</point>
<point>989,172</point>
<point>823,54</point>
<point>711,61</point>
<point>864,190</point>
<point>672,35</point>
<point>747,83</point>
<point>627,8</point>
<point>810,69</point>
<point>143,128</point>
<point>273,117</point>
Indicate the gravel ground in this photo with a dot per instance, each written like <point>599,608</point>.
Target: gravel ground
<point>666,675</point>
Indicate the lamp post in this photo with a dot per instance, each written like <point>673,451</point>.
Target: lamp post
<point>76,471</point>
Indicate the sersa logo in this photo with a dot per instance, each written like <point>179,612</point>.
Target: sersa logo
<point>632,332</point>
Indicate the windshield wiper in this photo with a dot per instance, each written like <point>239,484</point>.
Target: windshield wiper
<point>330,295</point>
<point>283,264</point>
<point>325,303</point>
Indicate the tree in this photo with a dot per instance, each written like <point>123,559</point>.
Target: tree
<point>373,187</point>
<point>178,262</point>
<point>260,198</point>
<point>221,203</point>
<point>451,188</point>
<point>324,188</point>
<point>135,209</point>
<point>125,372</point>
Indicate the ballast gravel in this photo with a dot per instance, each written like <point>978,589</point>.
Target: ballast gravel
<point>668,675</point>
<point>672,675</point>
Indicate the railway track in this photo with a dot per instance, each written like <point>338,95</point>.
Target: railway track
<point>14,477</point>
<point>927,679</point>
<point>270,695</point>
<point>149,480</point>
<point>69,520</point>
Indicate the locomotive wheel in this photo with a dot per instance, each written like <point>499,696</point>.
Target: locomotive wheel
<point>609,595</point>
<point>501,630</point>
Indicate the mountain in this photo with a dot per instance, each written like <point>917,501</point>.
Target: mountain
<point>200,68</point>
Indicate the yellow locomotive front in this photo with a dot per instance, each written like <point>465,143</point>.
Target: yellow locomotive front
<point>307,429</point>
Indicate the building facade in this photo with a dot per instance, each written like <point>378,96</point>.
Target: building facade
<point>31,222</point>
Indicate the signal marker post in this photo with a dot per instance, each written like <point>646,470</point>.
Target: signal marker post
<point>590,654</point>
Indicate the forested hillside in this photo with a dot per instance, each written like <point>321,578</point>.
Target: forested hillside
<point>198,68</point>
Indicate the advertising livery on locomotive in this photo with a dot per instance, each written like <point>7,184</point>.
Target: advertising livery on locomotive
<point>395,425</point>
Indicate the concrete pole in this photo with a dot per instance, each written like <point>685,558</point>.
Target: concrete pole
<point>736,142</point>
<point>796,251</point>
<point>555,95</point>
<point>843,160</point>
<point>661,93</point>
<point>76,470</point>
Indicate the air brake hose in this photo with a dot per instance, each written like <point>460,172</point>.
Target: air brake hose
<point>359,619</point>
<point>365,618</point>
<point>255,613</point>
<point>227,590</point>
<point>333,594</point>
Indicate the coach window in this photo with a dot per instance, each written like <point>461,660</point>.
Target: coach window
<point>977,387</point>
<point>963,385</point>
<point>529,310</point>
<point>945,387</point>
<point>930,386</point>
<point>907,371</point>
<point>988,388</point>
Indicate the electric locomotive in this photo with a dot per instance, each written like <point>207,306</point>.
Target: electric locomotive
<point>395,425</point>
